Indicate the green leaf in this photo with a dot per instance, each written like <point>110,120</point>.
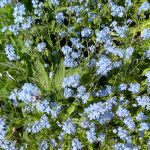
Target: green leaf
<point>90,147</point>
<point>59,76</point>
<point>41,75</point>
<point>20,123</point>
<point>60,9</point>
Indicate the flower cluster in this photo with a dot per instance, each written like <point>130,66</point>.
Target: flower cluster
<point>120,30</point>
<point>104,65</point>
<point>91,135</point>
<point>5,144</point>
<point>37,7</point>
<point>41,46</point>
<point>69,127</point>
<point>10,52</point>
<point>76,145</point>
<point>143,101</point>
<point>4,2</point>
<point>117,10</point>
<point>54,2</point>
<point>146,34</point>
<point>81,93</point>
<point>43,145</point>
<point>103,35</point>
<point>144,7</point>
<point>27,94</point>
<point>60,17</point>
<point>101,111</point>
<point>93,83</point>
<point>134,88</point>
<point>70,56</point>
<point>128,3</point>
<point>43,123</point>
<point>18,13</point>
<point>86,32</point>
<point>71,81</point>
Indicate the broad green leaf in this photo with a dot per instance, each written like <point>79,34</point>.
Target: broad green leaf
<point>41,75</point>
<point>59,76</point>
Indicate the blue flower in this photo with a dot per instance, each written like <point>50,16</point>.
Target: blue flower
<point>128,3</point>
<point>44,145</point>
<point>60,17</point>
<point>120,30</point>
<point>75,42</point>
<point>43,106</point>
<point>53,142</point>
<point>147,74</point>
<point>144,126</point>
<point>105,92</point>
<point>101,137</point>
<point>4,29</point>
<point>82,94</point>
<point>147,54</point>
<point>37,7</point>
<point>85,123</point>
<point>146,34</point>
<point>18,13</point>
<point>54,2</point>
<point>10,52</point>
<point>69,126</point>
<point>14,28</point>
<point>129,123</point>
<point>4,2</point>
<point>61,135</point>
<point>70,29</point>
<point>91,135</point>
<point>143,101</point>
<point>71,81</point>
<point>55,109</point>
<point>117,10</point>
<point>124,135</point>
<point>129,52</point>
<point>144,7</point>
<point>76,145</point>
<point>68,92</point>
<point>13,97</point>
<point>104,65</point>
<point>35,3</point>
<point>70,56</point>
<point>148,143</point>
<point>103,35</point>
<point>122,87</point>
<point>28,43</point>
<point>86,32</point>
<point>70,62</point>
<point>114,50</point>
<point>41,46</point>
<point>62,34</point>
<point>129,146</point>
<point>66,50</point>
<point>4,143</point>
<point>27,94</point>
<point>39,125</point>
<point>134,88</point>
<point>27,24</point>
<point>141,117</point>
<point>50,75</point>
<point>117,64</point>
<point>122,112</point>
<point>91,15</point>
